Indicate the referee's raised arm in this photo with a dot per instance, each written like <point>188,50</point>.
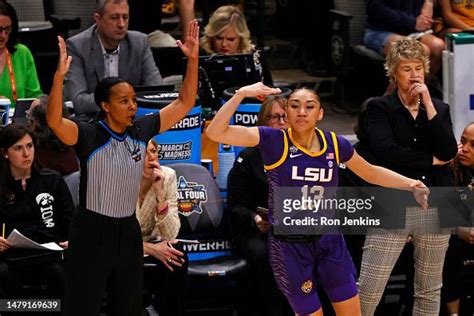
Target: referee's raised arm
<point>176,110</point>
<point>66,130</point>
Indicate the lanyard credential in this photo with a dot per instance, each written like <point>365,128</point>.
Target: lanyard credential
<point>12,75</point>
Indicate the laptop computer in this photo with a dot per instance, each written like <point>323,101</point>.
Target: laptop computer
<point>21,106</point>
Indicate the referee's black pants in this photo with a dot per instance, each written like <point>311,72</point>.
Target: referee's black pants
<point>105,255</point>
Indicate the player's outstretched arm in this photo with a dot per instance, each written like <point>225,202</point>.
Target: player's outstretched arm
<point>220,131</point>
<point>387,178</point>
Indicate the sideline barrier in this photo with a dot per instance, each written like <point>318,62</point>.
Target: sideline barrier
<point>182,143</point>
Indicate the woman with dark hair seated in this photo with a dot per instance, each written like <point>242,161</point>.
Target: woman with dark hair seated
<point>461,245</point>
<point>50,151</point>
<point>18,78</point>
<point>38,204</point>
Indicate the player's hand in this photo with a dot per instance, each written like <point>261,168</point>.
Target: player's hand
<point>466,234</point>
<point>257,90</point>
<point>262,225</point>
<point>421,193</point>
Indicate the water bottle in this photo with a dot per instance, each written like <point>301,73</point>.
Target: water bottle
<point>4,111</point>
<point>207,163</point>
<point>226,161</point>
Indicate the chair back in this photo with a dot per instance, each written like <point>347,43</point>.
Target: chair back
<point>217,278</point>
<point>201,211</point>
<point>84,9</point>
<point>72,180</point>
<point>357,9</point>
<point>29,10</point>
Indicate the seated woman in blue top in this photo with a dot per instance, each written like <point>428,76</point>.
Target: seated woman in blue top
<point>304,156</point>
<point>105,244</point>
<point>18,78</point>
<point>37,203</point>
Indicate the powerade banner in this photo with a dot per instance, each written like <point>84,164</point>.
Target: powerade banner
<point>246,115</point>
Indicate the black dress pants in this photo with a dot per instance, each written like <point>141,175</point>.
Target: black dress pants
<point>105,255</point>
<point>167,288</point>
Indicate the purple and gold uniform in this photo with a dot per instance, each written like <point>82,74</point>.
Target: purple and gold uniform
<point>297,265</point>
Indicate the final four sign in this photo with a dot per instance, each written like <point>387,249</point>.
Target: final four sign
<point>190,197</point>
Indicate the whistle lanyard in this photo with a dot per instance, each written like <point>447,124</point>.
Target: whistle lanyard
<point>12,75</point>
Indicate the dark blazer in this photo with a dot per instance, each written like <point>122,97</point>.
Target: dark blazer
<point>136,65</point>
<point>406,145</point>
<point>247,189</point>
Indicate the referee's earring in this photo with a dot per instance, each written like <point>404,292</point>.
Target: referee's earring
<point>6,156</point>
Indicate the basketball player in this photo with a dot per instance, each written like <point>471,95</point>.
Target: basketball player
<point>292,157</point>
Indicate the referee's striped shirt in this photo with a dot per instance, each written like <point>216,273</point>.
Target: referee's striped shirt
<point>112,165</point>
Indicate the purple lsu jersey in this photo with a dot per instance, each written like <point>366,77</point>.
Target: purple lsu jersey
<point>299,266</point>
<point>288,164</point>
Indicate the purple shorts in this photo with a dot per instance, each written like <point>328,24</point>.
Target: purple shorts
<point>298,266</point>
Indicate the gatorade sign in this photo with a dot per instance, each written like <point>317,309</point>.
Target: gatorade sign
<point>182,143</point>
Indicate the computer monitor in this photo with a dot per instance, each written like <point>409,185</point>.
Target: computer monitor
<point>225,71</point>
<point>21,106</point>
